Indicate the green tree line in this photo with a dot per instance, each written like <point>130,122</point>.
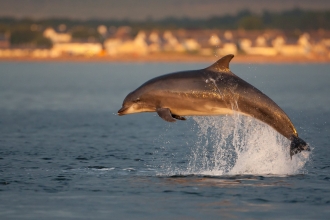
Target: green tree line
<point>20,30</point>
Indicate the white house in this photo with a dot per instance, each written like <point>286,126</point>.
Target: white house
<point>81,49</point>
<point>301,48</point>
<point>118,46</point>
<point>172,43</point>
<point>191,44</point>
<point>57,37</point>
<point>258,47</point>
<point>154,42</point>
<point>227,48</point>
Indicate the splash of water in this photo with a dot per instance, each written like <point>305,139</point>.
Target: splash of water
<point>239,145</point>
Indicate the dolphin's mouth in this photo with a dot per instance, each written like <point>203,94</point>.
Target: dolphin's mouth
<point>122,111</point>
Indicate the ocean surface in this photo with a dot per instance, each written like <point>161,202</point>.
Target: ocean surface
<point>65,154</point>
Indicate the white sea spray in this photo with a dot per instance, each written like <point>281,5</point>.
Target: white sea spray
<point>237,145</point>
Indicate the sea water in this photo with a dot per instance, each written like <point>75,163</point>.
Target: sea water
<point>65,154</point>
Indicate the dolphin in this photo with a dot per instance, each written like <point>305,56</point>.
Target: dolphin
<point>214,90</point>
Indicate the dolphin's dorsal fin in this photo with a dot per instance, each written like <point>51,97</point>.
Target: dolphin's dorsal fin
<point>221,65</point>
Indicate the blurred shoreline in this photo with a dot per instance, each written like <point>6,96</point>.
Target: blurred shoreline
<point>170,58</point>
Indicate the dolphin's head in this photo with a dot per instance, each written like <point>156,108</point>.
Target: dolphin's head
<point>136,102</point>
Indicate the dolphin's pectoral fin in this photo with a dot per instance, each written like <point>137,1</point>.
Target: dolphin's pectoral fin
<point>179,117</point>
<point>165,114</point>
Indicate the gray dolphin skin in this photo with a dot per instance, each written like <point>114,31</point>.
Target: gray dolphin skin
<point>214,90</point>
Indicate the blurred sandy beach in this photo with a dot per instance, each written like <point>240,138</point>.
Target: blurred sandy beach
<point>170,58</point>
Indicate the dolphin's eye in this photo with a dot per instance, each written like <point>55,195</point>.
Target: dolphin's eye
<point>136,100</point>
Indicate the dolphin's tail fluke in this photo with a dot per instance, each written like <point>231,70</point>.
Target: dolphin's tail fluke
<point>297,145</point>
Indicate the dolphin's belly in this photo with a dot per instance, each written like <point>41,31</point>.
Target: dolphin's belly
<point>202,110</point>
<point>205,113</point>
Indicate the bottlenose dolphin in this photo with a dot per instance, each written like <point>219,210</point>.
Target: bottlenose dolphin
<point>214,90</point>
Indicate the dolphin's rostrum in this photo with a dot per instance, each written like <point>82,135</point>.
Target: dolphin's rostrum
<point>211,91</point>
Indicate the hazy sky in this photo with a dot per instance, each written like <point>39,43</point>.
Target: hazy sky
<point>140,9</point>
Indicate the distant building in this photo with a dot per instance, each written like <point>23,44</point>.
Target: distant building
<point>322,46</point>
<point>260,46</point>
<point>80,49</point>
<point>227,48</point>
<point>154,42</point>
<point>209,46</point>
<point>119,41</point>
<point>228,44</point>
<point>140,44</point>
<point>191,45</point>
<point>214,40</point>
<point>171,43</point>
<point>302,47</point>
<point>119,46</point>
<point>112,45</point>
<point>56,37</point>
